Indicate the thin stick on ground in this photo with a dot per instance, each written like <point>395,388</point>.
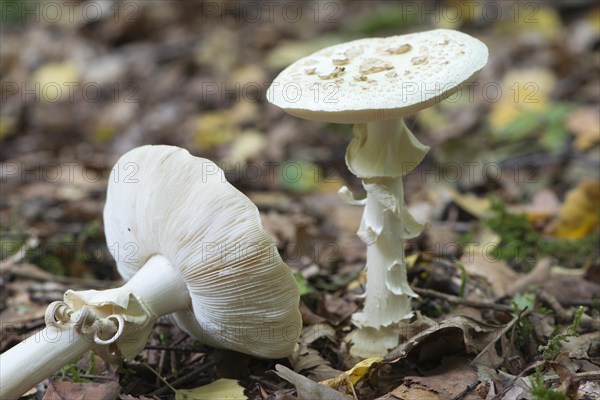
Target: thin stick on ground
<point>185,378</point>
<point>577,377</point>
<point>461,301</point>
<point>503,332</point>
<point>564,316</point>
<point>167,384</point>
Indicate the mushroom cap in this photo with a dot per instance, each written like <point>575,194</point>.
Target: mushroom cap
<point>373,79</point>
<point>162,200</point>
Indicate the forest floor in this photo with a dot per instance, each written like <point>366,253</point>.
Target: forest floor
<point>507,273</point>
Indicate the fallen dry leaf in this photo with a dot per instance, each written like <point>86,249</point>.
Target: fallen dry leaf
<point>354,374</point>
<point>336,309</point>
<point>308,317</point>
<point>544,205</point>
<point>213,129</point>
<point>448,381</point>
<point>306,388</point>
<point>579,214</point>
<point>499,275</point>
<point>52,80</point>
<point>476,206</point>
<point>245,147</point>
<point>64,390</point>
<point>415,391</point>
<point>528,90</point>
<point>584,124</point>
<point>571,290</point>
<point>451,336</point>
<point>308,359</point>
<point>544,24</point>
<point>538,275</point>
<point>222,389</point>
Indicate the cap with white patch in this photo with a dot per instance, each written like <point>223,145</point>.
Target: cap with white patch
<point>374,79</point>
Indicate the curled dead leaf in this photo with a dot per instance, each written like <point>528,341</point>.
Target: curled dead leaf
<point>446,338</point>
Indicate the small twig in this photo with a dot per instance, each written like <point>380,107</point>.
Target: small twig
<point>161,363</point>
<point>264,382</point>
<point>183,379</point>
<point>564,316</point>
<point>521,374</point>
<point>97,377</point>
<point>464,392</point>
<point>461,301</point>
<point>167,384</point>
<point>9,262</point>
<point>577,377</point>
<point>508,326</point>
<point>66,280</point>
<point>173,348</point>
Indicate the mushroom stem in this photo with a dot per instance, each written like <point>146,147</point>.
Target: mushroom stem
<point>38,357</point>
<point>381,153</point>
<point>160,286</point>
<point>114,321</point>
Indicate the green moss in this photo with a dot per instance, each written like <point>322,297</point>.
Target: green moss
<point>520,244</point>
<point>91,363</point>
<point>71,373</point>
<point>550,351</point>
<point>57,253</point>
<point>10,245</point>
<point>390,17</point>
<point>525,333</point>
<point>304,286</point>
<point>540,391</point>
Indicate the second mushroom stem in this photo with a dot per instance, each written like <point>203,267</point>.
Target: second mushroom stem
<point>381,153</point>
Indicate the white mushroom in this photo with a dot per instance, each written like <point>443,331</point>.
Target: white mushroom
<point>190,245</point>
<point>405,74</point>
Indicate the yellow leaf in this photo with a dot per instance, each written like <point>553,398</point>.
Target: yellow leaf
<point>214,129</point>
<point>472,204</point>
<point>580,212</point>
<point>523,91</point>
<point>593,19</point>
<point>56,81</point>
<point>355,374</point>
<point>103,133</point>
<point>584,124</point>
<point>544,206</point>
<point>245,147</point>
<point>289,51</point>
<point>221,389</point>
<point>412,260</point>
<point>7,125</point>
<point>359,282</point>
<point>528,18</point>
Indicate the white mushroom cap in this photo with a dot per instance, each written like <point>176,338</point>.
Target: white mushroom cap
<point>374,79</point>
<point>163,201</point>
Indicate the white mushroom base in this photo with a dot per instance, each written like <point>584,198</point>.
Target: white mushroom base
<point>381,153</point>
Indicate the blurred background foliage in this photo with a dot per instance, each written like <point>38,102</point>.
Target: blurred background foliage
<point>86,81</point>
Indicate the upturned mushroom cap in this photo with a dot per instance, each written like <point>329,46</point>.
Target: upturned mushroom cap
<point>374,79</point>
<point>163,201</point>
